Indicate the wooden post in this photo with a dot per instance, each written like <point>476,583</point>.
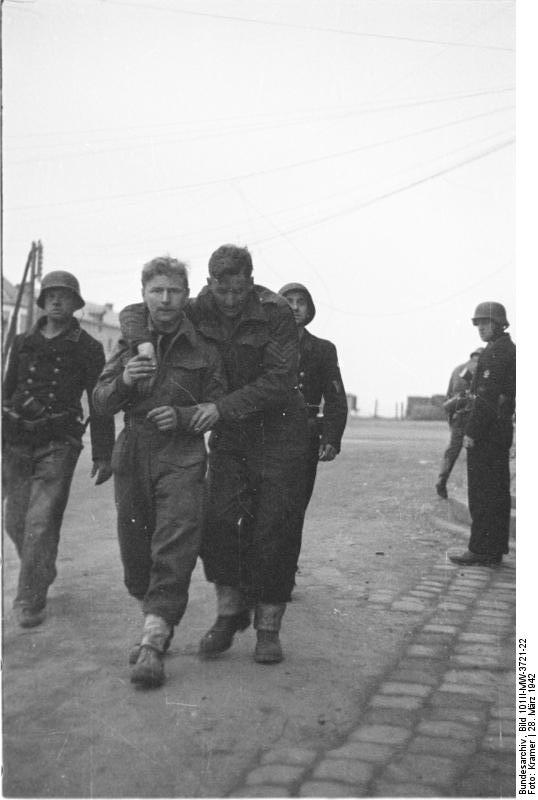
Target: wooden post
<point>31,294</point>
<point>13,324</point>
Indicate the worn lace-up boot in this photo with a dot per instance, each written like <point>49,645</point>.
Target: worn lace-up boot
<point>267,622</point>
<point>149,670</point>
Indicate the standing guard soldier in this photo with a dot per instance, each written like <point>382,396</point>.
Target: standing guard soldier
<point>488,438</point>
<point>319,379</point>
<point>257,451</point>
<point>49,369</point>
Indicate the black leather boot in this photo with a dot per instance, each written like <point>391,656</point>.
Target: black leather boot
<point>220,636</point>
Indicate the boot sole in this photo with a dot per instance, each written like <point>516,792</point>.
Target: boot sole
<point>147,679</point>
<point>33,621</point>
<point>268,659</point>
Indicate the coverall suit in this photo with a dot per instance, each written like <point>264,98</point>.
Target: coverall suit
<point>159,475</point>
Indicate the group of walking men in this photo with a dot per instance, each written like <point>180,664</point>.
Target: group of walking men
<point>236,362</point>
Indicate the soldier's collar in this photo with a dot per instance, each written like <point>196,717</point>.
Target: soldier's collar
<point>72,332</point>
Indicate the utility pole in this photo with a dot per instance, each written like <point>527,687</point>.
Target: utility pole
<point>35,273</point>
<point>30,261</point>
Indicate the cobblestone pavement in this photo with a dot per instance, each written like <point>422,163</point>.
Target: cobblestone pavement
<point>441,721</point>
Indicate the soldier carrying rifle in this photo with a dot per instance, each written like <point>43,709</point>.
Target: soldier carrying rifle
<point>456,405</point>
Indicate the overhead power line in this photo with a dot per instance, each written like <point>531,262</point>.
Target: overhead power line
<point>285,228</point>
<point>151,140</point>
<point>326,113</point>
<point>269,170</point>
<point>416,309</point>
<point>312,28</point>
<point>392,192</point>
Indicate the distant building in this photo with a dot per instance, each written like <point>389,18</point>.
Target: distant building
<point>9,298</point>
<point>101,322</point>
<point>426,408</point>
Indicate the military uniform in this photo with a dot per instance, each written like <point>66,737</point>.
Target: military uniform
<point>458,388</point>
<point>319,381</point>
<point>490,426</point>
<point>159,475</point>
<point>42,432</point>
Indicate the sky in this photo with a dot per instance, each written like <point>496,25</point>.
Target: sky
<point>365,148</point>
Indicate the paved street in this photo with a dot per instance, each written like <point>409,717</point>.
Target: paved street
<point>398,678</point>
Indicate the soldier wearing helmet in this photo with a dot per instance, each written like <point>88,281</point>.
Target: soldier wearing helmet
<point>488,437</point>
<point>49,369</point>
<point>319,381</point>
<point>456,406</point>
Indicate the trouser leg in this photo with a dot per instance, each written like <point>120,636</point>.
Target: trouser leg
<point>310,467</point>
<point>51,481</point>
<point>135,520</point>
<point>277,466</point>
<point>225,537</point>
<point>261,482</point>
<point>17,471</point>
<point>175,541</point>
<point>312,461</point>
<point>488,478</point>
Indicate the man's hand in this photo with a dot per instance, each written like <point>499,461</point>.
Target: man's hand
<point>164,417</point>
<point>102,469</point>
<point>468,442</point>
<point>327,452</point>
<point>204,418</point>
<point>138,368</point>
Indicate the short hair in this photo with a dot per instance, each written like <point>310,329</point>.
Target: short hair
<point>229,259</point>
<point>165,265</point>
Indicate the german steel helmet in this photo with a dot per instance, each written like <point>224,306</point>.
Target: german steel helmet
<point>492,311</point>
<point>298,287</point>
<point>59,279</point>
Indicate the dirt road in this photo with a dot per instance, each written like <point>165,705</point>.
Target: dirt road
<point>74,726</point>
